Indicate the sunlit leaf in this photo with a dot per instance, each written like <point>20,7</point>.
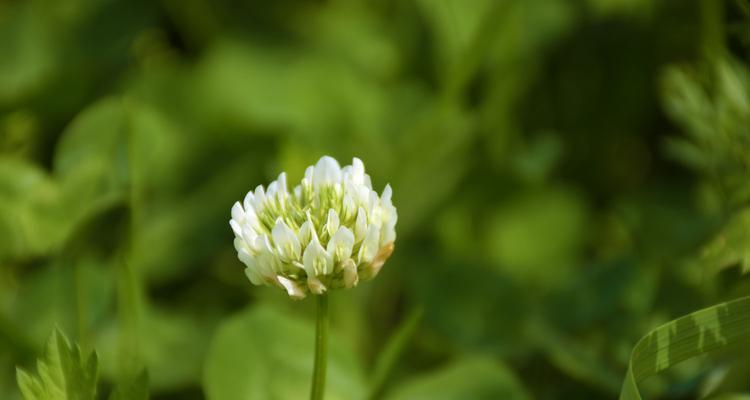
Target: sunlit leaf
<point>713,328</point>
<point>63,373</point>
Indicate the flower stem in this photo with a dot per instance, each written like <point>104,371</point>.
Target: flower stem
<point>321,349</point>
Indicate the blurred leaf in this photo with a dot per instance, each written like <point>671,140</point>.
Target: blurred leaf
<point>389,355</point>
<point>576,357</point>
<point>27,50</point>
<point>731,246</point>
<point>417,194</point>
<point>355,34</point>
<point>732,396</point>
<point>713,328</point>
<point>454,26</point>
<point>536,237</point>
<point>137,389</point>
<point>288,90</point>
<point>457,285</point>
<point>264,354</point>
<point>30,224</point>
<point>63,374</point>
<point>471,378</point>
<point>43,300</point>
<point>196,217</point>
<point>171,345</point>
<point>713,106</point>
<point>96,142</point>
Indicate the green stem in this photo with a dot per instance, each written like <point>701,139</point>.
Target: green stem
<point>321,349</point>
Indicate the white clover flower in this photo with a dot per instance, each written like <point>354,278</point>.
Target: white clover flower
<point>329,232</point>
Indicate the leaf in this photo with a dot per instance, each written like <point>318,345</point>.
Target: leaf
<point>263,354</point>
<point>171,345</point>
<point>475,378</point>
<point>62,374</point>
<point>136,389</point>
<point>28,51</point>
<point>453,25</point>
<point>698,333</point>
<point>29,222</point>
<point>521,243</point>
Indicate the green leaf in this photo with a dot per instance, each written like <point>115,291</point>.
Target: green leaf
<point>264,354</point>
<point>475,378</point>
<point>703,331</point>
<point>63,374</point>
<point>29,224</point>
<point>136,389</point>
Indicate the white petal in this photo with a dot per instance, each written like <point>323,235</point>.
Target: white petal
<point>358,171</point>
<point>272,189</point>
<point>239,244</point>
<point>373,201</point>
<point>305,232</point>
<point>348,206</point>
<point>341,244</point>
<point>253,276</point>
<point>369,247</point>
<point>282,182</point>
<point>385,198</point>
<point>371,269</point>
<point>258,244</point>
<point>360,226</point>
<point>266,265</point>
<point>332,223</point>
<point>327,170</point>
<point>316,260</point>
<point>292,288</point>
<point>246,258</point>
<point>249,200</point>
<point>351,278</point>
<point>387,235</point>
<point>238,213</point>
<point>235,227</point>
<point>315,285</point>
<point>259,198</point>
<point>286,241</point>
<point>249,236</point>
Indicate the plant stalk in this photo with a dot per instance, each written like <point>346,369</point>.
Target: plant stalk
<point>321,349</point>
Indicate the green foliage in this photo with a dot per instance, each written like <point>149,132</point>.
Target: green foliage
<point>552,210</point>
<point>136,389</point>
<point>715,112</point>
<point>723,325</point>
<point>64,373</point>
<point>476,378</point>
<point>264,354</point>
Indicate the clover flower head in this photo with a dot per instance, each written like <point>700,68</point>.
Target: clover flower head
<point>329,232</point>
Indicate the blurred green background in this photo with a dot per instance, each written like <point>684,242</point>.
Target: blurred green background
<point>568,174</point>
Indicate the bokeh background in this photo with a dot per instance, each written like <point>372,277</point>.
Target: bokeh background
<point>569,174</point>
